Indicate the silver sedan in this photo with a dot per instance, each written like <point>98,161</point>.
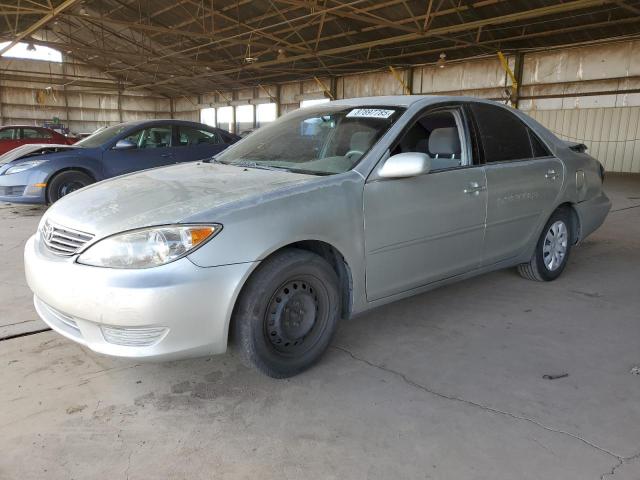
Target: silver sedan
<point>326,213</point>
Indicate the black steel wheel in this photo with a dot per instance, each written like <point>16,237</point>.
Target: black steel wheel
<point>287,313</point>
<point>65,183</point>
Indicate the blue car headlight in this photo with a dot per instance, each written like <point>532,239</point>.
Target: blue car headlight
<point>21,167</point>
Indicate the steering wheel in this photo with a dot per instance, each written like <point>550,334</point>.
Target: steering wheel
<point>352,153</point>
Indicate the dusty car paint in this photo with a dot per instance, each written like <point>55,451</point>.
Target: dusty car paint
<point>358,213</point>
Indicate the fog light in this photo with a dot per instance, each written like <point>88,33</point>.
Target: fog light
<point>34,190</point>
<point>133,336</point>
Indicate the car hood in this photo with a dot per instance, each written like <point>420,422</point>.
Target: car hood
<point>33,150</point>
<point>164,196</point>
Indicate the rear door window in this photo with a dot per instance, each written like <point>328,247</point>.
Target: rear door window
<point>504,137</point>
<point>189,136</point>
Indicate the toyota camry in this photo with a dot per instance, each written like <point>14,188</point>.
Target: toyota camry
<point>326,213</point>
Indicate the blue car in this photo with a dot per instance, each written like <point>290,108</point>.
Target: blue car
<point>42,174</point>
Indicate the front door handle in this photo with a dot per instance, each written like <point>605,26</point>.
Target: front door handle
<point>551,174</point>
<point>166,155</point>
<point>474,188</point>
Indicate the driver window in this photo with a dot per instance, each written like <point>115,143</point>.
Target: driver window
<point>153,137</point>
<point>438,135</point>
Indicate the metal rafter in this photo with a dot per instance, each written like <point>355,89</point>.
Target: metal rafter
<point>186,45</point>
<point>34,27</point>
<point>445,30</point>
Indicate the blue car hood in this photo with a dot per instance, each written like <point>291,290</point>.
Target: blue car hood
<point>39,151</point>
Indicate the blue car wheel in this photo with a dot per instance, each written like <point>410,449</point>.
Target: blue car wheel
<point>66,182</point>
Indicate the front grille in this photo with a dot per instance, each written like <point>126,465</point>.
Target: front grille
<point>63,241</point>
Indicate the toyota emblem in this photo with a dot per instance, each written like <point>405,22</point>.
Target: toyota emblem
<point>47,232</point>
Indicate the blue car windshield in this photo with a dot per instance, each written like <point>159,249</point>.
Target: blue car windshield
<point>99,137</point>
<point>322,140</point>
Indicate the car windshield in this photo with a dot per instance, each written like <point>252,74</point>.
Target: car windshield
<point>101,136</point>
<point>320,141</point>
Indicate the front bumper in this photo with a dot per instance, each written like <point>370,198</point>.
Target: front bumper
<point>184,309</point>
<point>20,187</point>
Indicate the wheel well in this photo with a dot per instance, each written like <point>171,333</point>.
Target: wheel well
<point>67,169</point>
<point>575,220</point>
<point>339,265</point>
<point>74,169</point>
<point>337,262</point>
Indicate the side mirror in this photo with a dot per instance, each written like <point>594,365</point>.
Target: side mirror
<point>124,145</point>
<point>403,165</point>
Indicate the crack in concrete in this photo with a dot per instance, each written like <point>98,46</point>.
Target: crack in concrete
<point>487,408</point>
<point>126,472</point>
<point>621,462</point>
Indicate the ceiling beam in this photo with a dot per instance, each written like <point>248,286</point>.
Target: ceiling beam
<point>34,27</point>
<point>446,30</point>
<point>626,6</point>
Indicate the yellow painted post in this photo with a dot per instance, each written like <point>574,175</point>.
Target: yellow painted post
<point>397,76</point>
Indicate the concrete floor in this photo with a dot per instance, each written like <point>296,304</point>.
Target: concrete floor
<point>446,385</point>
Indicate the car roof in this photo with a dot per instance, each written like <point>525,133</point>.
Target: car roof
<point>161,121</point>
<point>405,100</point>
<point>26,126</point>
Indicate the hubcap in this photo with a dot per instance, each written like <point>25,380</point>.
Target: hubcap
<point>555,245</point>
<point>293,316</point>
<point>67,188</point>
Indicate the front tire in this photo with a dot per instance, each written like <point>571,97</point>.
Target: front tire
<point>287,313</point>
<point>552,250</point>
<point>66,182</point>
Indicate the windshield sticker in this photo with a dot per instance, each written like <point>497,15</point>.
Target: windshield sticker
<point>370,113</point>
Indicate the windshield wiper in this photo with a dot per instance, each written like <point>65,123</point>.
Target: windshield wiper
<point>261,166</point>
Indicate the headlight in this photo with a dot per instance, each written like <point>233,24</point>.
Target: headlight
<point>148,247</point>
<point>21,167</point>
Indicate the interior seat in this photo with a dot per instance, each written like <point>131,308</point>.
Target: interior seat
<point>444,148</point>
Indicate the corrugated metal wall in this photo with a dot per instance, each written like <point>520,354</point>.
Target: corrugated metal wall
<point>83,98</point>
<point>589,94</point>
<point>612,134</point>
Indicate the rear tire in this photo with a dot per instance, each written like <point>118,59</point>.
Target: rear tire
<point>66,182</point>
<point>287,313</point>
<point>552,250</point>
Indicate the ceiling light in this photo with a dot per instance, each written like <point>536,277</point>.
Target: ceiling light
<point>31,47</point>
<point>282,54</point>
<point>441,63</point>
<point>83,11</point>
<point>250,59</point>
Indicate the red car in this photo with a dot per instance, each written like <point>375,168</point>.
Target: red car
<point>14,136</point>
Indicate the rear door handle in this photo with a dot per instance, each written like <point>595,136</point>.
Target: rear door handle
<point>474,188</point>
<point>165,155</point>
<point>551,174</point>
